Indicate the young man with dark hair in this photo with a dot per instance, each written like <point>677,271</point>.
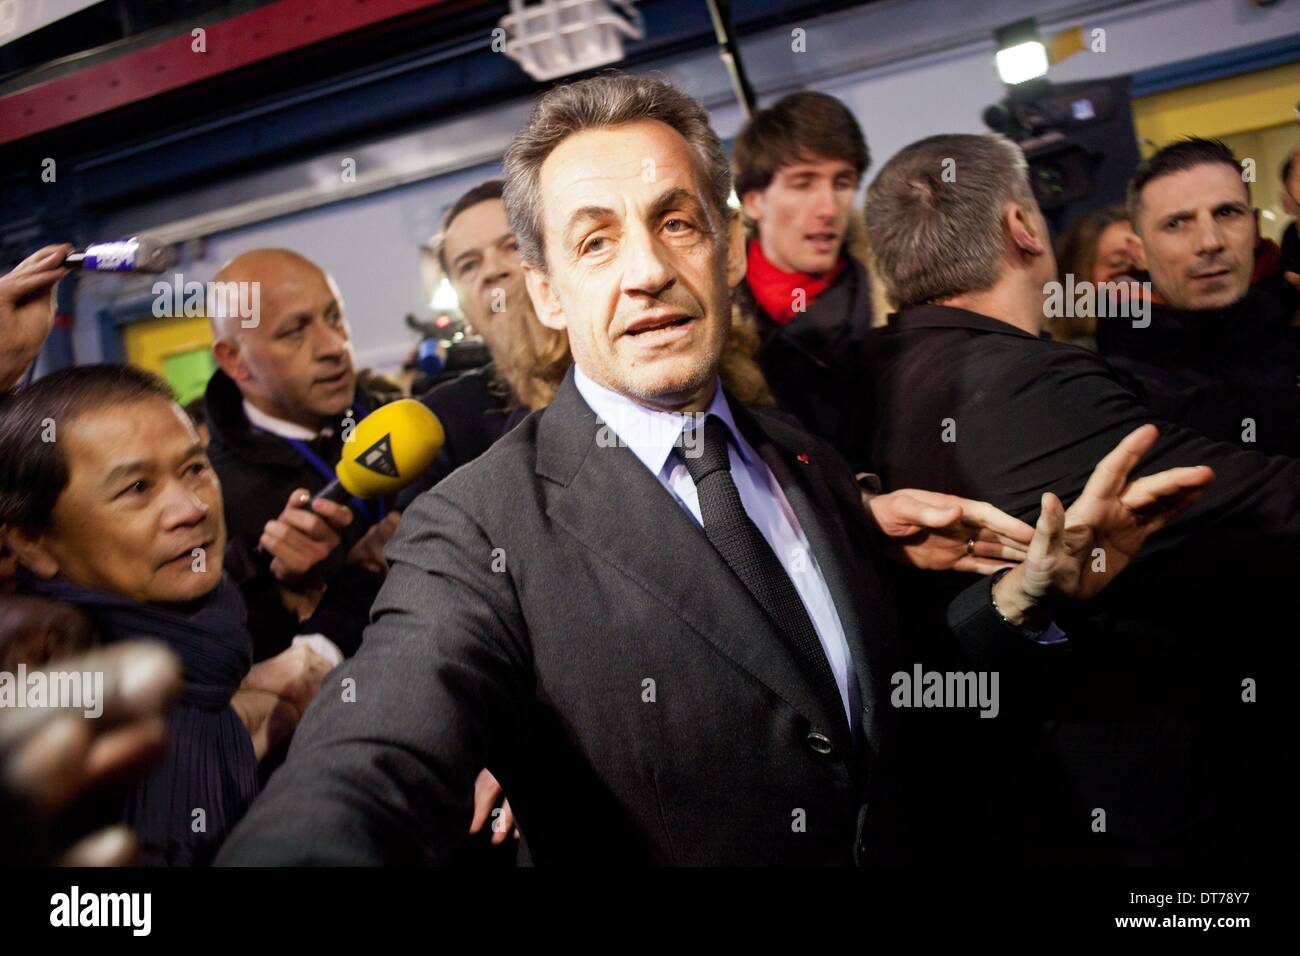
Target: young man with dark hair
<point>797,166</point>
<point>1215,352</point>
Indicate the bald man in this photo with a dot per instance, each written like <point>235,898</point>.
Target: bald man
<point>277,408</point>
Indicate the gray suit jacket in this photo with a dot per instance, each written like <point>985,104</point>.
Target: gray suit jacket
<point>553,614</point>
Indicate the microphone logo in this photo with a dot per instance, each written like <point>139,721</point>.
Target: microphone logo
<point>379,457</point>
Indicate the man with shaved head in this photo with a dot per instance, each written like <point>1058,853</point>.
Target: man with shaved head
<point>278,409</point>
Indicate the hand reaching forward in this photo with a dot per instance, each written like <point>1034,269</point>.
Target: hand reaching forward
<point>938,532</point>
<point>1112,514</point>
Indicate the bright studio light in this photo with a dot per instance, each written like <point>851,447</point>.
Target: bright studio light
<point>1024,61</point>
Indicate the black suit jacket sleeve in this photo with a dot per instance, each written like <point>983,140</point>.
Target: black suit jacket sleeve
<point>1018,446</point>
<point>382,767</point>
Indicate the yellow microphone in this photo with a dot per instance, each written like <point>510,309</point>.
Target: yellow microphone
<point>387,450</point>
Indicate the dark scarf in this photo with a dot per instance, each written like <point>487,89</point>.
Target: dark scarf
<point>774,288</point>
<point>210,763</point>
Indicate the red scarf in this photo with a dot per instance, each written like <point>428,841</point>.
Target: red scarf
<point>774,288</point>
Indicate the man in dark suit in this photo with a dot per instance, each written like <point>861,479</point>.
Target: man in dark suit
<point>651,613</point>
<point>1153,720</point>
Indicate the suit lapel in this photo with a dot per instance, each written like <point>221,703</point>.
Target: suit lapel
<point>615,507</point>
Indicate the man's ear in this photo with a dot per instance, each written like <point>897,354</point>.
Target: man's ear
<point>752,203</point>
<point>545,302</point>
<point>31,552</point>
<point>1136,251</point>
<point>1024,230</point>
<point>737,254</point>
<point>229,361</point>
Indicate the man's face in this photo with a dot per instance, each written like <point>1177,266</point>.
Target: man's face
<point>638,264</point>
<point>296,363</point>
<point>1197,236</point>
<point>803,214</point>
<point>1112,258</point>
<point>482,262</point>
<point>141,497</point>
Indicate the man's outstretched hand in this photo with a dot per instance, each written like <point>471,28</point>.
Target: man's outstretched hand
<point>1076,553</point>
<point>938,532</point>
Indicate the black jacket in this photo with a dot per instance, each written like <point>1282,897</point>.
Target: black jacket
<point>1147,718</point>
<point>811,363</point>
<point>474,413</point>
<point>552,613</point>
<point>1217,370</point>
<point>257,472</point>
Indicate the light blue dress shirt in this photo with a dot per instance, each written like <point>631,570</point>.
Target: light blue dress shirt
<point>652,435</point>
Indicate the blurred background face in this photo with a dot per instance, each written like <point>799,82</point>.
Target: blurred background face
<point>637,268</point>
<point>1291,187</point>
<point>483,265</point>
<point>1198,236</point>
<point>1111,258</point>
<point>803,214</point>
<point>141,497</point>
<point>296,364</point>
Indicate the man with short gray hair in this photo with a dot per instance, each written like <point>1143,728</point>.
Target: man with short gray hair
<point>973,400</point>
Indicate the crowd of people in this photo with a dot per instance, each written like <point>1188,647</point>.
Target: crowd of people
<point>850,448</point>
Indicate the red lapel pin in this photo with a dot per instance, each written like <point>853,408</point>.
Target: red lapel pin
<point>802,457</point>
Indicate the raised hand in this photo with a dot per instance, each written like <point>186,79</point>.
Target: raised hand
<point>27,310</point>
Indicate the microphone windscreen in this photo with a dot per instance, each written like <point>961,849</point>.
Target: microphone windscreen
<point>389,448</point>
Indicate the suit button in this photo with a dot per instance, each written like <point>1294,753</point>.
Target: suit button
<point>819,743</point>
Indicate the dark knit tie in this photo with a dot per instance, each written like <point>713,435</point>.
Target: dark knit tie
<point>734,534</point>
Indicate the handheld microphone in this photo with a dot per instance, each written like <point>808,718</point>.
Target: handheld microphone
<point>388,450</point>
<point>134,254</point>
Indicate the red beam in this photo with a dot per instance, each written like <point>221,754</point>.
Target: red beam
<point>231,44</point>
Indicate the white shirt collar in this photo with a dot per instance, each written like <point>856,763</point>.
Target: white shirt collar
<point>651,434</point>
<point>278,426</point>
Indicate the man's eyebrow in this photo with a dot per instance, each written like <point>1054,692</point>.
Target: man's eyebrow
<point>291,317</point>
<point>149,464</point>
<point>672,199</point>
<point>478,250</point>
<point>129,468</point>
<point>584,213</point>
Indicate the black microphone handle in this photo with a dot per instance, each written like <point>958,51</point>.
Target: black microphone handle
<point>335,492</point>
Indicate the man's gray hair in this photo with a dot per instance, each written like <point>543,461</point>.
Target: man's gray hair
<point>934,215</point>
<point>608,100</point>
